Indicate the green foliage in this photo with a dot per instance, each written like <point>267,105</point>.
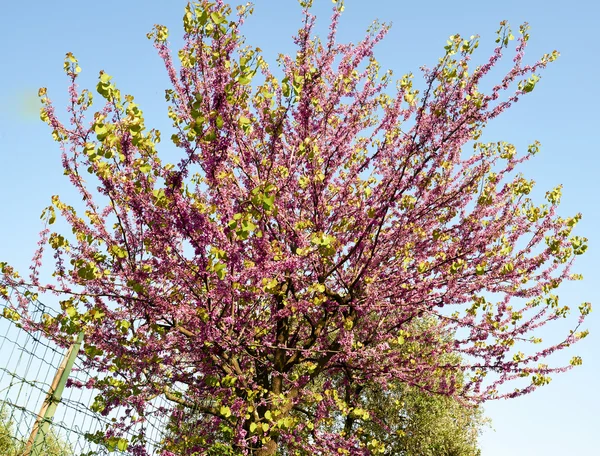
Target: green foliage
<point>8,443</point>
<point>414,423</point>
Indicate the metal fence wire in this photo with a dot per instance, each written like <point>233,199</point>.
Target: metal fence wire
<point>30,372</point>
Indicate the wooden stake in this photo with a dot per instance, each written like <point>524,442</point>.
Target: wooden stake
<point>35,444</point>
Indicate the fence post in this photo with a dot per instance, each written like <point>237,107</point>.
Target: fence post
<point>34,446</point>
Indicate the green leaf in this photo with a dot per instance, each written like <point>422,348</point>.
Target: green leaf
<point>216,18</point>
<point>530,84</point>
<point>576,361</point>
<point>268,202</point>
<point>10,314</point>
<point>105,78</point>
<point>285,87</point>
<point>122,445</point>
<point>71,312</point>
<point>225,411</point>
<point>123,325</point>
<point>220,270</point>
<point>210,136</point>
<point>97,314</point>
<point>101,131</point>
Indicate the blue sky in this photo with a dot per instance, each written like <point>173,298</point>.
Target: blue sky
<point>562,113</point>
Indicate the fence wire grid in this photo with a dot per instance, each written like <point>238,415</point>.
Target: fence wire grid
<point>28,366</point>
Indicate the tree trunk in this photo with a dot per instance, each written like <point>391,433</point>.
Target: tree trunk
<point>270,449</point>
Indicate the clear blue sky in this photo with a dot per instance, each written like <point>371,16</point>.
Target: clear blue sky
<point>562,113</point>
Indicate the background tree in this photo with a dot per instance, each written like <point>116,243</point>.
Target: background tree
<point>411,422</point>
<point>414,423</point>
<point>311,220</point>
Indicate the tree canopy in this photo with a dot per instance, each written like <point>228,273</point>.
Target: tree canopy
<point>323,226</point>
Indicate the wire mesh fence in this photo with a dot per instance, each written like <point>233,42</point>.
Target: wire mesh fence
<point>30,367</point>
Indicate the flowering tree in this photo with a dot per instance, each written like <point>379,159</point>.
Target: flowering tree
<point>319,228</point>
